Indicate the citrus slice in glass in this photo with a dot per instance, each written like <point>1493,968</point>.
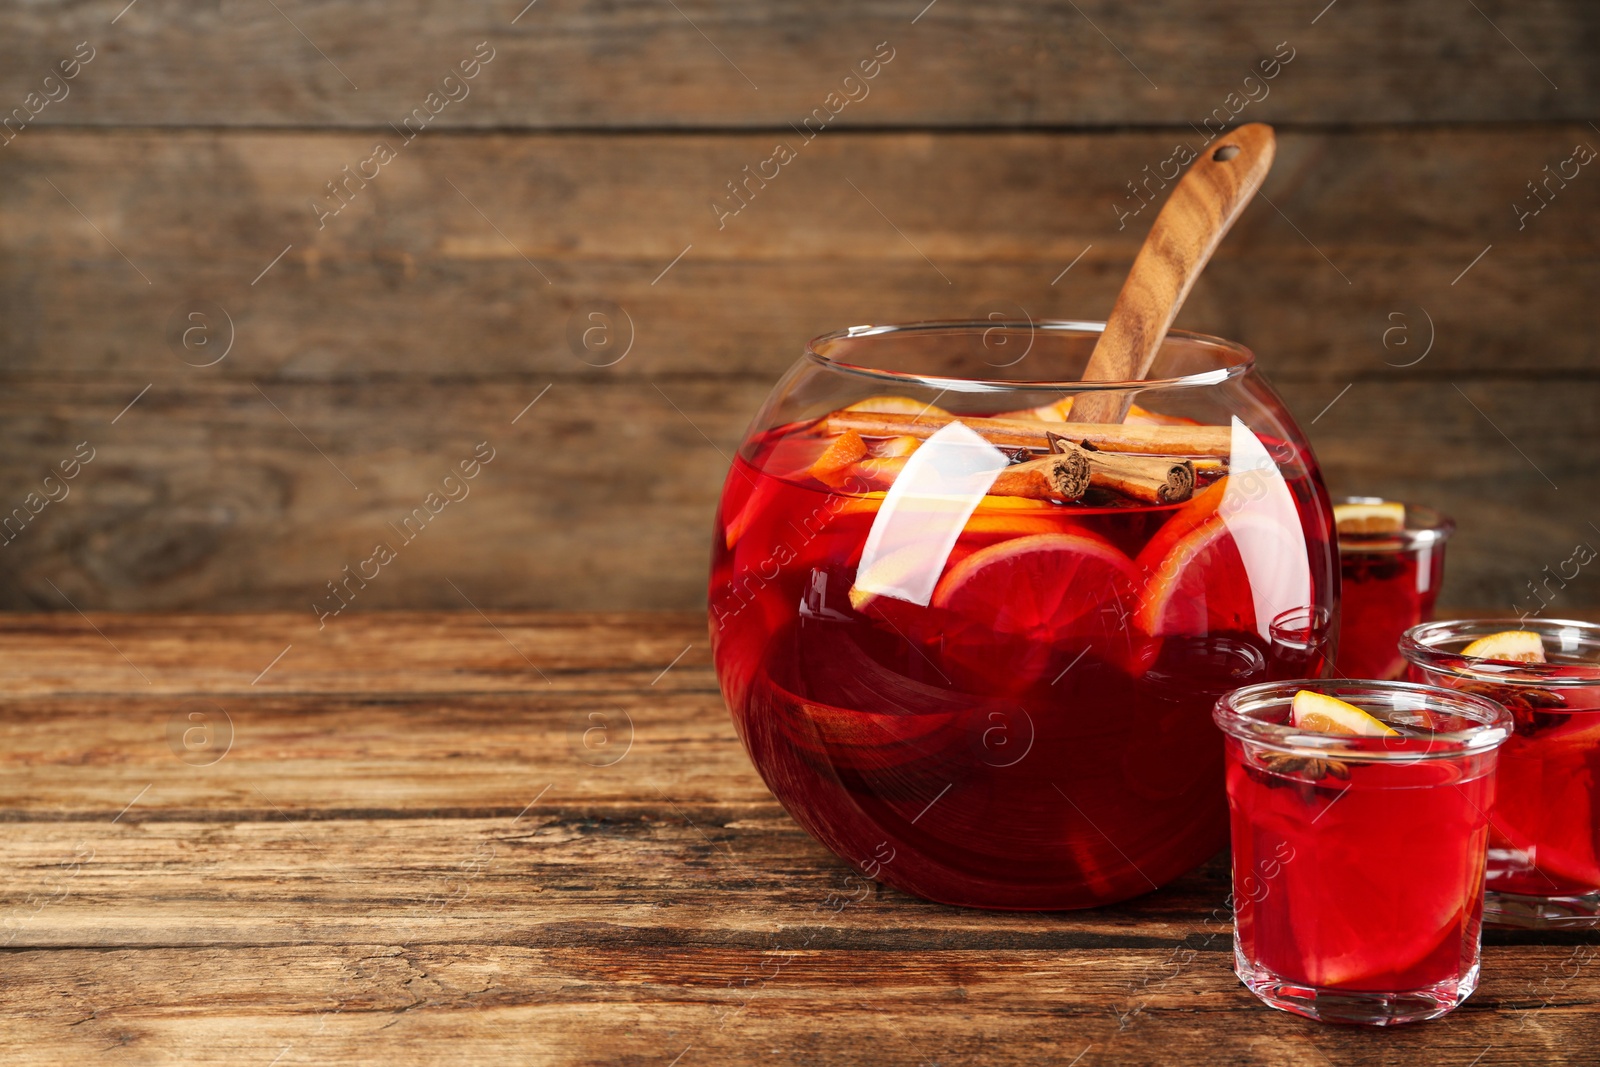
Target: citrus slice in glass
<point>894,405</point>
<point>1024,608</point>
<point>1328,715</point>
<point>1512,646</point>
<point>1190,515</point>
<point>896,447</point>
<point>1055,411</point>
<point>1036,585</point>
<point>1138,416</point>
<point>1361,941</point>
<point>845,450</point>
<point>1220,575</point>
<point>1384,518</point>
<point>1334,914</point>
<point>1061,411</point>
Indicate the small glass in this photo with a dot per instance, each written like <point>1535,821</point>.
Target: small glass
<point>1544,847</point>
<point>1389,582</point>
<point>1358,861</point>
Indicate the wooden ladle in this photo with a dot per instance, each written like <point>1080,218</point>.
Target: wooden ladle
<point>1192,223</point>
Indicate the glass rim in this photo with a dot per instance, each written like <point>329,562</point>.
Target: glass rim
<point>1419,646</point>
<point>1232,714</point>
<point>1434,528</point>
<point>1239,359</point>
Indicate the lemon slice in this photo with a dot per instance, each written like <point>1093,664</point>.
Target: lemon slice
<point>895,405</point>
<point>1324,714</point>
<point>1386,518</point>
<point>1518,646</point>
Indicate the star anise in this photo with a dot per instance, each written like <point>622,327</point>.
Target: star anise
<point>1527,704</point>
<point>1308,768</point>
<point>1309,776</point>
<point>1315,780</point>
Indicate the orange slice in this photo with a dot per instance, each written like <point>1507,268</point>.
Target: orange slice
<point>1010,524</point>
<point>1061,411</point>
<point>1202,506</point>
<point>1056,411</point>
<point>895,405</point>
<point>894,569</point>
<point>896,447</point>
<point>1139,416</point>
<point>1013,614</point>
<point>866,503</point>
<point>845,450</point>
<point>1326,715</point>
<point>1038,584</point>
<point>1514,646</point>
<point>1009,504</point>
<point>874,472</point>
<point>854,712</point>
<point>1202,584</point>
<point>1385,518</point>
<point>1363,936</point>
<point>742,518</point>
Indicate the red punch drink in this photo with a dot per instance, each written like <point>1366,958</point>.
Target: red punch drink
<point>1544,848</point>
<point>1391,559</point>
<point>979,662</point>
<point>1359,842</point>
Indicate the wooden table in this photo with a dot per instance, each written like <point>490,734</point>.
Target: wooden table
<point>535,839</point>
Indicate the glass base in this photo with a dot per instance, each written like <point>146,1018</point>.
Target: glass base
<point>1576,911</point>
<point>1352,1006</point>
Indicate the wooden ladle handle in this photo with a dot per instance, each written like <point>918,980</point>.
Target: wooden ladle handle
<point>1192,223</point>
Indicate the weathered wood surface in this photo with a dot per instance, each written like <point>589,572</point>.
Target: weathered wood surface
<point>407,857</point>
<point>204,495</point>
<point>699,63</point>
<point>410,281</point>
<point>409,329</point>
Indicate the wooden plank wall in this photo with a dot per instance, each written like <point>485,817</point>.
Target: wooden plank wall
<point>377,336</point>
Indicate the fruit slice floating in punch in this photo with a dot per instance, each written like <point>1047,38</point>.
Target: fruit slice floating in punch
<point>1327,715</point>
<point>843,453</point>
<point>894,405</point>
<point>896,447</point>
<point>1016,607</point>
<point>1036,585</point>
<point>1512,646</point>
<point>1230,574</point>
<point>1387,517</point>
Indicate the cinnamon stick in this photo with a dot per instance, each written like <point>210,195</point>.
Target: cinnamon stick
<point>1151,479</point>
<point>1115,437</point>
<point>1055,477</point>
<point>1061,478</point>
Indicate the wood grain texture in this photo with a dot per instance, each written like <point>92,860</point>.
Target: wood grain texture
<point>204,495</point>
<point>410,280</point>
<point>412,327</point>
<point>588,172</point>
<point>362,878</point>
<point>637,63</point>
